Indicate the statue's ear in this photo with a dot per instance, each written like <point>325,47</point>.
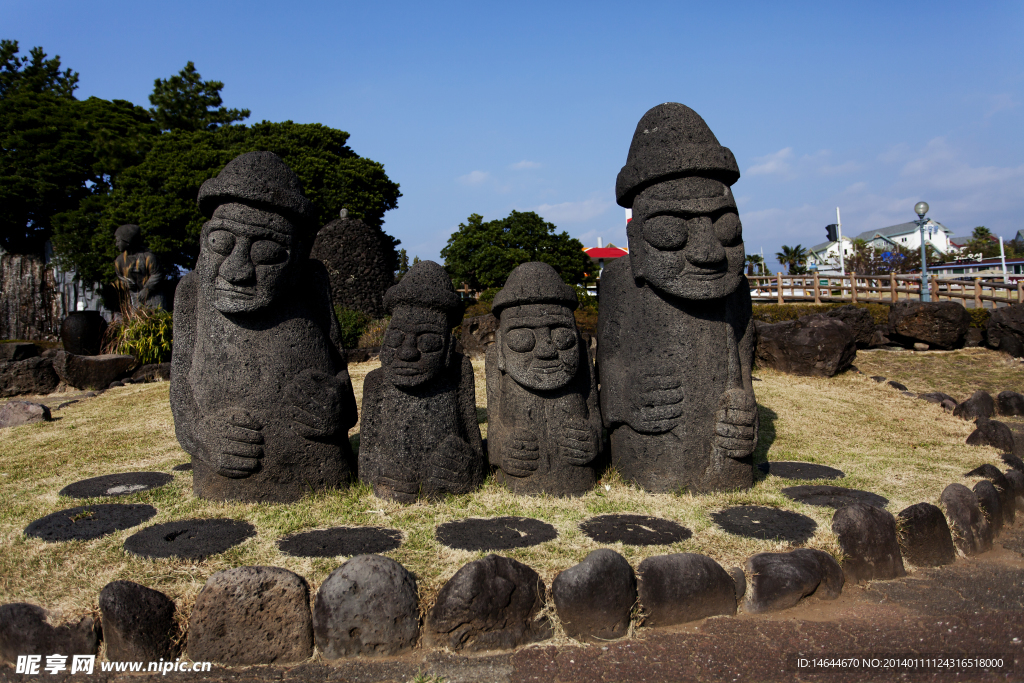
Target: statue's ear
<point>637,248</point>
<point>450,350</point>
<point>501,350</point>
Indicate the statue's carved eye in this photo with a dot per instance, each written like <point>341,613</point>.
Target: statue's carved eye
<point>221,241</point>
<point>665,232</point>
<point>520,340</point>
<point>268,253</point>
<point>563,338</point>
<point>394,338</point>
<point>728,229</point>
<point>429,342</point>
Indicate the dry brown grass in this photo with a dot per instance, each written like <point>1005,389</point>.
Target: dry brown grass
<point>904,449</point>
<point>958,373</point>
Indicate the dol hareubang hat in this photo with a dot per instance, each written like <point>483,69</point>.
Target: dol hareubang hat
<point>426,285</point>
<point>672,140</point>
<point>534,283</point>
<point>261,179</point>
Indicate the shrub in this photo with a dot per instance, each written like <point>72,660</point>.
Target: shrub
<point>353,323</point>
<point>373,336</point>
<point>145,333</point>
<point>979,317</point>
<point>777,313</point>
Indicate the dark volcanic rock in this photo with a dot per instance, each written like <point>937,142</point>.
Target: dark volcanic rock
<point>779,580</point>
<point>867,535</point>
<point>971,531</point>
<point>360,260</point>
<point>251,615</point>
<point>814,346</point>
<point>153,373</point>
<point>859,320</point>
<point>975,337</point>
<point>992,433</point>
<point>29,376</point>
<point>595,597</point>
<point>183,467</point>
<point>15,413</point>
<point>675,325</point>
<point>18,351</point>
<point>766,523</point>
<point>478,334</point>
<point>1005,330</point>
<point>189,539</point>
<point>878,378</point>
<point>1016,482</point>
<point>988,499</point>
<point>260,390</point>
<point>366,607</point>
<point>495,533</point>
<point>1010,403</point>
<point>897,385</point>
<point>123,484</point>
<point>1003,487</point>
<point>740,580</point>
<point>675,589</point>
<point>138,623</point>
<point>938,324</point>
<point>544,426</point>
<point>937,397</point>
<point>800,470</point>
<point>88,522</point>
<point>925,539</point>
<point>91,372</point>
<point>634,530</point>
<point>833,496</point>
<point>1013,461</point>
<point>980,404</point>
<point>490,604</point>
<point>25,630</point>
<point>343,541</point>
<point>418,430</point>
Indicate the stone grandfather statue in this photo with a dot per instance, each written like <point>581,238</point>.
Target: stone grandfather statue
<point>138,270</point>
<point>418,432</point>
<point>260,389</point>
<point>544,424</point>
<point>675,337</point>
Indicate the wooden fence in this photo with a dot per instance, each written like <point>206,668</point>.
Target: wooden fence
<point>853,288</point>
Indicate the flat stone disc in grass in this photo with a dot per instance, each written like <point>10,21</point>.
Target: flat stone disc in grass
<point>343,541</point>
<point>88,522</point>
<point>183,467</point>
<point>189,539</point>
<point>634,530</point>
<point>121,484</point>
<point>495,533</point>
<point>800,470</point>
<point>767,524</point>
<point>833,496</point>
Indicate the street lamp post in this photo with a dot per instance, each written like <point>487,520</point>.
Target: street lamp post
<point>921,209</point>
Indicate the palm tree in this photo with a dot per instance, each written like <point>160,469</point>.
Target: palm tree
<point>793,258</point>
<point>754,263</point>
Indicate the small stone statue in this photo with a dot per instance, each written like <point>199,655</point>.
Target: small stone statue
<point>675,337</point>
<point>259,384</point>
<point>138,270</point>
<point>544,424</point>
<point>418,430</point>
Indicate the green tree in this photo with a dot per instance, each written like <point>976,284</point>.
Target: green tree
<point>187,102</point>
<point>754,264</point>
<point>983,242</point>
<point>794,258</point>
<point>33,73</point>
<point>483,254</point>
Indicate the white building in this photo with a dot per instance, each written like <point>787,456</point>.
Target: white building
<point>825,256</point>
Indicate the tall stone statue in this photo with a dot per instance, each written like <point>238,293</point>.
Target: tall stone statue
<point>675,337</point>
<point>544,424</point>
<point>259,385</point>
<point>418,433</point>
<point>138,270</point>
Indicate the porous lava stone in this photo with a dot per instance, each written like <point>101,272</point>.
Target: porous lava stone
<point>634,530</point>
<point>833,496</point>
<point>768,524</point>
<point>189,539</point>
<point>183,467</point>
<point>88,522</point>
<point>122,484</point>
<point>496,533</point>
<point>800,470</point>
<point>343,541</point>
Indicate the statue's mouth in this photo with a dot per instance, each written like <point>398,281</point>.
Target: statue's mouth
<point>406,370</point>
<point>705,275</point>
<point>235,292</point>
<point>546,367</point>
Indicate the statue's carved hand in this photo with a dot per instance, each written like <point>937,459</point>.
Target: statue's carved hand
<point>395,475</point>
<point>314,402</point>
<point>657,401</point>
<point>574,442</point>
<point>734,424</point>
<point>523,454</point>
<point>448,466</point>
<point>233,442</point>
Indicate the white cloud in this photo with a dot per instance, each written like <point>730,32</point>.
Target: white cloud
<point>524,165</point>
<point>838,169</point>
<point>772,164</point>
<point>573,212</point>
<point>474,177</point>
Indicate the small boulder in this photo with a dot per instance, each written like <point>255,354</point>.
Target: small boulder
<point>490,604</point>
<point>859,320</point>
<point>478,334</point>
<point>26,630</point>
<point>867,535</point>
<point>154,372</point>
<point>971,531</point>
<point>880,336</point>
<point>367,607</point>
<point>1013,461</point>
<point>898,386</point>
<point>937,397</point>
<point>991,433</point>
<point>33,376</point>
<point>988,499</point>
<point>941,324</point>
<point>675,589</point>
<point>924,536</point>
<point>138,623</point>
<point>878,378</point>
<point>740,579</point>
<point>18,351</point>
<point>779,581</point>
<point>920,346</point>
<point>1003,487</point>
<point>1005,330</point>
<point>595,597</point>
<point>980,404</point>
<point>1010,403</point>
<point>91,372</point>
<point>1016,481</point>
<point>813,346</point>
<point>251,615</point>
<point>974,338</point>
<point>15,413</point>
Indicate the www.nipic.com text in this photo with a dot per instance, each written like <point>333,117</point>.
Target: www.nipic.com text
<point>85,664</point>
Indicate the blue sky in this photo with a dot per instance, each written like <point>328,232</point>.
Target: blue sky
<point>489,107</point>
